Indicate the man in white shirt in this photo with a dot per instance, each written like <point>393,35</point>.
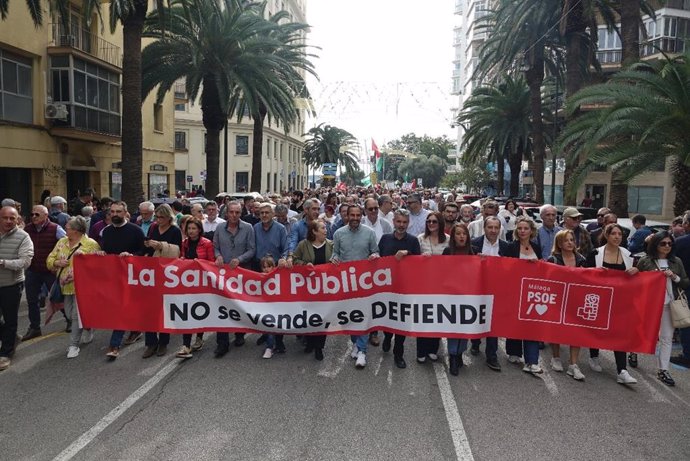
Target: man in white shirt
<point>386,208</point>
<point>212,220</point>
<point>417,215</point>
<point>371,219</point>
<point>476,227</point>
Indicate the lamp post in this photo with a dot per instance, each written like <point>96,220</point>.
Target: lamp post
<point>555,134</point>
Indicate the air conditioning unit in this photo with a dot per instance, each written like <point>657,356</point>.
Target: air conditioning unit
<point>56,111</point>
<point>67,40</point>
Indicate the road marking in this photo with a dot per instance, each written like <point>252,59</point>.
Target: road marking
<point>457,431</point>
<point>378,366</point>
<point>38,339</point>
<point>548,380</point>
<point>331,367</point>
<point>88,436</point>
<point>389,380</point>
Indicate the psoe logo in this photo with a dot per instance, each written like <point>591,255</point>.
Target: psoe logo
<point>588,306</point>
<point>541,300</point>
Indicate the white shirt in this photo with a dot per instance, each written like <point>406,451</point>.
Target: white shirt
<point>490,249</point>
<point>476,228</point>
<point>418,222</point>
<point>210,226</point>
<point>378,227</point>
<point>388,217</point>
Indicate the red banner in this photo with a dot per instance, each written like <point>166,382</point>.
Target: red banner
<point>446,296</point>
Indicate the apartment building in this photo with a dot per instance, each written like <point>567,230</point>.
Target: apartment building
<point>283,167</point>
<point>60,111</point>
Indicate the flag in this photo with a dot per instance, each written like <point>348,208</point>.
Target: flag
<point>379,159</point>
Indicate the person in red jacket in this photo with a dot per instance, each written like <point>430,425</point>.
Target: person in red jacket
<point>194,246</point>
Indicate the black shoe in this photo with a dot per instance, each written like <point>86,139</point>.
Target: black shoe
<point>31,333</point>
<point>400,362</point>
<point>493,364</point>
<point>239,341</point>
<point>386,346</point>
<point>68,328</point>
<point>474,350</point>
<point>318,354</point>
<point>665,378</point>
<point>632,359</point>
<point>309,349</point>
<point>541,345</point>
<point>41,303</point>
<point>220,351</point>
<point>680,360</point>
<point>261,340</point>
<point>279,349</point>
<point>454,365</point>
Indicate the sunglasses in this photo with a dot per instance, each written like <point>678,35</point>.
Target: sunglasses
<point>431,221</point>
<point>35,214</point>
<point>600,215</point>
<point>373,209</point>
<point>665,244</point>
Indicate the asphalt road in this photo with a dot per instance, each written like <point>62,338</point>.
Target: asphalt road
<point>293,407</point>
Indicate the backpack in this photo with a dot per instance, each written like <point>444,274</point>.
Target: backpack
<point>54,217</point>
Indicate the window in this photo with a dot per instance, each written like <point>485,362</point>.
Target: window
<point>180,140</point>
<point>158,118</point>
<point>645,199</point>
<point>268,147</point>
<point>116,185</point>
<point>93,100</point>
<point>281,151</point>
<point>157,184</point>
<point>16,98</point>
<point>180,107</point>
<point>241,145</point>
<point>275,182</point>
<point>268,181</point>
<point>241,181</point>
<point>275,150</point>
<point>180,180</point>
<point>205,143</point>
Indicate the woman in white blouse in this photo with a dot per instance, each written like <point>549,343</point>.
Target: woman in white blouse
<point>433,241</point>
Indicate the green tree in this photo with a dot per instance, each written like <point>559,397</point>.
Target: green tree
<point>472,179</point>
<point>352,178</point>
<point>424,145</point>
<point>430,169</point>
<point>330,144</point>
<point>391,163</point>
<point>235,57</point>
<point>640,116</point>
<point>497,118</point>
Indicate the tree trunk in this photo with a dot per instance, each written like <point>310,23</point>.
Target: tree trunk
<point>576,28</point>
<point>515,162</point>
<point>214,120</point>
<point>535,77</point>
<point>132,138</point>
<point>258,137</point>
<point>500,173</point>
<point>629,11</point>
<point>681,182</point>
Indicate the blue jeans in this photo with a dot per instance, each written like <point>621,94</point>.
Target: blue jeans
<point>273,340</point>
<point>491,351</point>
<point>116,338</point>
<point>685,341</point>
<point>361,341</point>
<point>34,285</point>
<point>531,349</point>
<point>457,346</point>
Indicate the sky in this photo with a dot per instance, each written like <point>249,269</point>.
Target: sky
<point>384,67</point>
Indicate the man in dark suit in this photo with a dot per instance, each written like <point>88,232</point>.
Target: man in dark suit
<point>489,245</point>
<point>682,247</point>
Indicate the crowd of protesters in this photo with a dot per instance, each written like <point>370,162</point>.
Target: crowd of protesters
<point>325,226</point>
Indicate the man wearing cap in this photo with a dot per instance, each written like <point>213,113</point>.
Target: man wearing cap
<point>583,240</point>
<point>57,211</point>
<point>16,252</point>
<point>44,235</point>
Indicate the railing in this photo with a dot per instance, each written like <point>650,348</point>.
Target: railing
<point>458,6</point>
<point>648,48</point>
<point>88,42</point>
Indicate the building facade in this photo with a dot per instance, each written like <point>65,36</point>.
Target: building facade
<point>60,111</point>
<point>283,166</point>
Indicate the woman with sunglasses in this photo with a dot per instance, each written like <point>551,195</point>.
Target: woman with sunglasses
<point>612,256</point>
<point>660,257</point>
<point>432,242</point>
<point>459,244</point>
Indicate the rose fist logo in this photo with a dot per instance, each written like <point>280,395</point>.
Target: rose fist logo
<point>541,300</point>
<point>588,306</point>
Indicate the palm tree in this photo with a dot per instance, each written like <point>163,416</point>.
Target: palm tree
<point>522,36</point>
<point>640,117</point>
<point>497,118</point>
<point>34,7</point>
<point>330,144</point>
<point>229,52</point>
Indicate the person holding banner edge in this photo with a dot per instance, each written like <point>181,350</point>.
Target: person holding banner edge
<point>355,243</point>
<point>661,257</point>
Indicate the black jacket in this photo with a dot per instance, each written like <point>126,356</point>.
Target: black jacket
<point>478,244</point>
<point>513,249</point>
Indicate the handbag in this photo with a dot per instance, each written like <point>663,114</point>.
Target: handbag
<point>680,313</point>
<point>55,294</point>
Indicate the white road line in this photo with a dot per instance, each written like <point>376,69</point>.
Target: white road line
<point>88,436</point>
<point>457,431</point>
<point>331,368</point>
<point>389,380</point>
<point>378,366</point>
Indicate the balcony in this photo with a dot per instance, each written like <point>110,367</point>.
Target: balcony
<point>459,6</point>
<point>88,42</point>
<point>647,49</point>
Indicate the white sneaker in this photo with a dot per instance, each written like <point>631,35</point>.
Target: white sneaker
<point>574,371</point>
<point>87,337</point>
<point>514,359</point>
<point>625,378</point>
<point>556,364</point>
<point>361,360</point>
<point>594,364</point>
<point>432,357</point>
<point>268,353</point>
<point>72,352</point>
<point>355,351</point>
<point>421,359</point>
<point>533,368</point>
